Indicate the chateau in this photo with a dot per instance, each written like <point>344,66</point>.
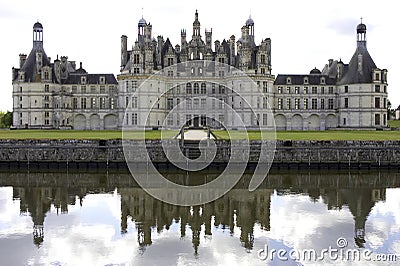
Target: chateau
<point>200,83</point>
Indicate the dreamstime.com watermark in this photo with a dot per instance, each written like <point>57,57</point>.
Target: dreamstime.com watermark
<point>340,252</point>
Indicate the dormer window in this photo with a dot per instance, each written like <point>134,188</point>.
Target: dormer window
<point>377,76</point>
<point>83,80</point>
<point>288,80</point>
<point>102,79</point>
<point>322,80</point>
<point>305,80</point>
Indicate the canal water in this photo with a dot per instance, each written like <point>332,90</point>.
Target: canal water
<point>293,218</point>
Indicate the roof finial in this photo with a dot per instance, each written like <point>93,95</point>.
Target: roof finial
<point>142,12</point>
<point>361,20</point>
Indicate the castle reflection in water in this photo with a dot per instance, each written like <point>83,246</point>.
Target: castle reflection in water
<point>38,192</point>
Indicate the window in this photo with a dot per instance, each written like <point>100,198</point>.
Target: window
<point>46,88</point>
<point>265,119</point>
<point>102,103</point>
<point>346,102</point>
<point>263,71</point>
<point>221,60</point>
<point>263,59</point>
<point>377,119</point>
<point>297,103</point>
<point>314,90</point>
<point>288,80</point>
<point>322,104</point>
<point>134,102</point>
<point>83,89</point>
<point>170,73</point>
<point>135,59</point>
<point>288,90</point>
<point>203,88</point>
<point>93,103</point>
<point>377,76</point>
<point>265,102</point>
<point>200,70</point>
<point>74,89</point>
<point>265,86</point>
<point>280,103</point>
<point>111,103</point>
<point>126,102</point>
<point>188,120</point>
<point>196,88</point>
<point>306,80</point>
<point>384,103</point>
<point>46,114</point>
<point>188,88</point>
<point>136,70</point>
<point>305,106</point>
<point>384,89</point>
<point>170,119</point>
<point>102,89</point>
<point>178,89</point>
<point>170,61</point>
<point>305,91</point>
<point>330,104</point>
<point>134,119</point>
<point>384,119</point>
<point>377,88</point>
<point>280,90</point>
<point>102,80</point>
<point>188,103</point>
<point>288,103</point>
<point>221,119</point>
<point>74,103</point>
<point>322,80</point>
<point>314,104</point>
<point>83,103</point>
<point>92,89</point>
<point>203,104</point>
<point>221,73</point>
<point>296,90</point>
<point>346,89</point>
<point>220,103</point>
<point>213,88</point>
<point>377,102</point>
<point>170,103</point>
<point>322,90</point>
<point>221,89</point>
<point>344,121</point>
<point>83,80</point>
<point>330,90</point>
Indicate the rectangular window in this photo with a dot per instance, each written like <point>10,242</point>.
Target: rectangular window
<point>196,88</point>
<point>170,61</point>
<point>314,104</point>
<point>203,104</point>
<point>288,90</point>
<point>74,103</point>
<point>74,89</point>
<point>93,103</point>
<point>377,88</point>
<point>220,103</point>
<point>297,103</point>
<point>134,119</point>
<point>102,89</point>
<point>83,103</point>
<point>178,101</point>
<point>170,119</point>
<point>346,89</point>
<point>170,103</point>
<point>102,103</point>
<point>46,88</point>
<point>322,104</point>
<point>384,103</point>
<point>263,71</point>
<point>314,90</point>
<point>280,90</point>
<point>265,86</point>
<point>265,102</point>
<point>346,102</point>
<point>305,106</point>
<point>288,103</point>
<point>92,89</point>
<point>265,119</point>
<point>203,88</point>
<point>126,102</point>
<point>188,120</point>
<point>135,59</point>
<point>280,104</point>
<point>134,102</point>
<point>83,89</point>
<point>263,59</point>
<point>221,119</point>
<point>330,104</point>
<point>377,102</point>
<point>377,119</point>
<point>322,90</point>
<point>330,90</point>
<point>111,103</point>
<point>136,70</point>
<point>188,103</point>
<point>296,90</point>
<point>46,114</point>
<point>305,90</point>
<point>221,89</point>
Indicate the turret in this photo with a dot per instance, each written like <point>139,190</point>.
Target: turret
<point>38,36</point>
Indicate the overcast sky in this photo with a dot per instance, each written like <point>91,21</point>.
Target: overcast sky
<point>304,34</point>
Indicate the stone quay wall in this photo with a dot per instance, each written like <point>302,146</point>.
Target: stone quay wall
<point>288,154</point>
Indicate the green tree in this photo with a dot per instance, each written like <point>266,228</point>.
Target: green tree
<point>6,119</point>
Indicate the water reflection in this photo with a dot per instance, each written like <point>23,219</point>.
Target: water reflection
<point>245,216</point>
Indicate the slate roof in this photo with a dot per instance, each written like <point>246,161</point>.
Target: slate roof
<point>352,75</point>
<point>75,78</point>
<point>30,65</point>
<point>299,80</point>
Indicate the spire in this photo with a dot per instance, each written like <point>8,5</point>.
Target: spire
<point>361,34</point>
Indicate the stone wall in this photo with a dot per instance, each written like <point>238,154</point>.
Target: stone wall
<point>288,153</point>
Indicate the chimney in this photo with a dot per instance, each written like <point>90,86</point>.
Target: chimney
<point>22,59</point>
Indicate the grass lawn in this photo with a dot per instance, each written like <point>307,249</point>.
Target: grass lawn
<point>253,135</point>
